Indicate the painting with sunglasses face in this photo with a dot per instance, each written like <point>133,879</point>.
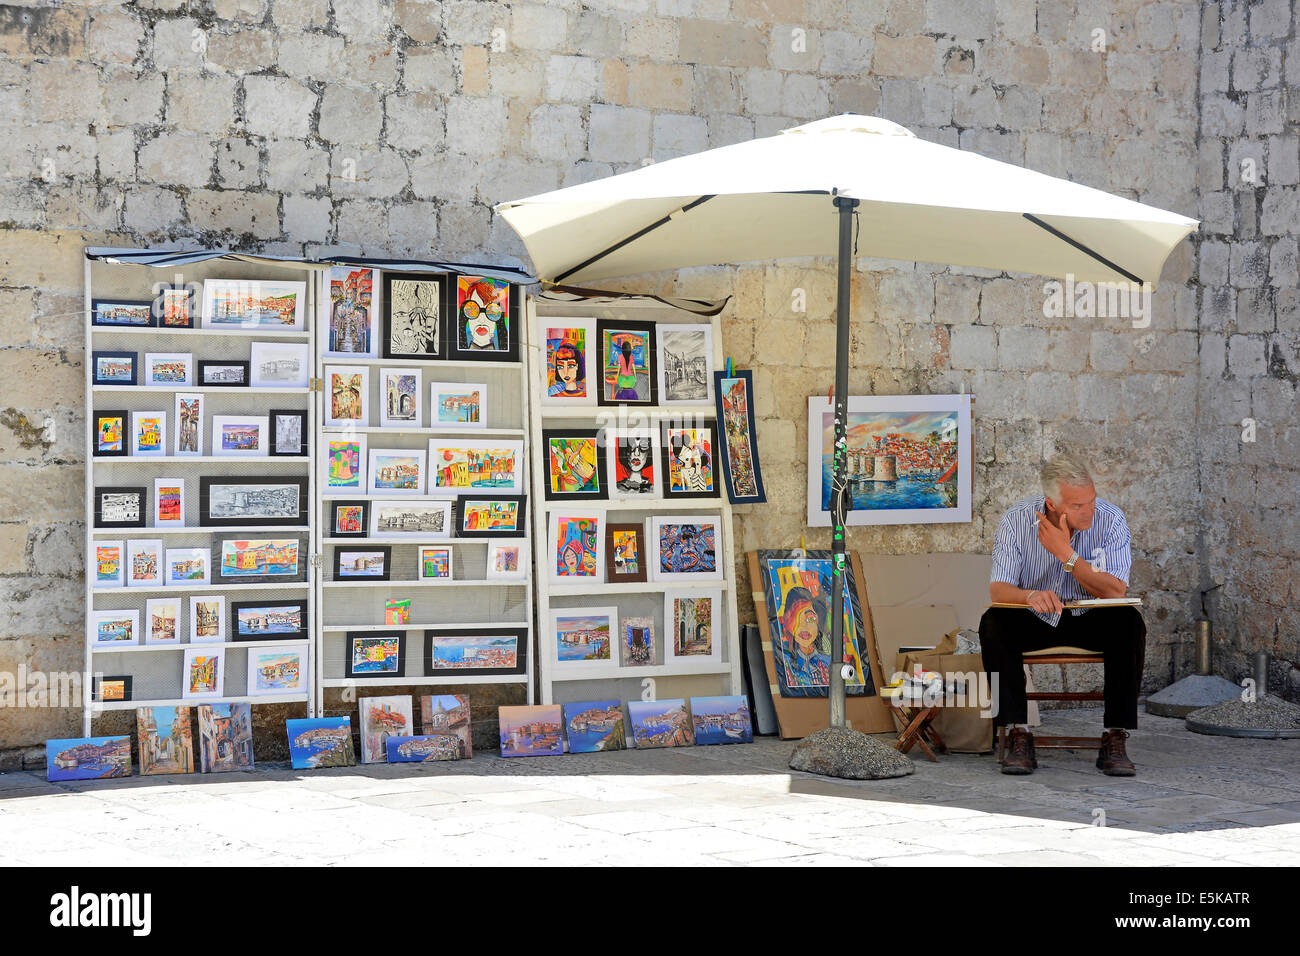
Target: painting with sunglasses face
<point>634,464</point>
<point>483,314</point>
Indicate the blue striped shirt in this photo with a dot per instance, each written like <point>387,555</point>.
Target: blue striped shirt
<point>1019,559</point>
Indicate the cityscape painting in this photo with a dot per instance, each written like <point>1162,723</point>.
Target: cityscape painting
<point>532,731</point>
<point>87,758</point>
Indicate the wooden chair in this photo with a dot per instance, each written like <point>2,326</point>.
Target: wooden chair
<point>1059,655</point>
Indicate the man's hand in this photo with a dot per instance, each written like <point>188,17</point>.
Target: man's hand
<point>1045,602</point>
<point>1055,537</point>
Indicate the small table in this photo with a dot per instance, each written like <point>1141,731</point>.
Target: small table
<point>915,724</point>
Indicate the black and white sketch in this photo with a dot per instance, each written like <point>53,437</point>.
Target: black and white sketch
<point>279,365</point>
<point>288,433</point>
<point>120,508</point>
<point>228,500</point>
<point>685,364</point>
<point>222,373</point>
<point>412,323</point>
<point>418,518</point>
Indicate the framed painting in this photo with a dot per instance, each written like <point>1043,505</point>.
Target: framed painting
<point>401,398</point>
<point>188,567</point>
<point>189,425</point>
<point>411,519</point>
<point>721,720</point>
<point>690,461</point>
<point>575,465</point>
<point>531,730</point>
<point>114,368</point>
<point>288,432</point>
<point>88,758</point>
<point>241,436</point>
<point>576,546</point>
<point>363,564</point>
<point>632,463</point>
<point>507,561</point>
<point>382,718</point>
<point>627,363</point>
<point>227,500</point>
<point>739,451</point>
<point>278,671</point>
<point>259,560</point>
<point>221,373</point>
<point>685,364</point>
<point>108,566</point>
<point>169,369</point>
<point>263,304</point>
<point>268,620</point>
<point>414,303</point>
<point>144,563</point>
<point>594,726</point>
<point>583,638</point>
<point>225,737</point>
<point>148,434</point>
<point>458,405</point>
<point>121,507</point>
<point>207,619</point>
<point>693,618</point>
<point>685,547</point>
<point>396,471</point>
<point>116,628</point>
<point>448,715</point>
<point>640,648</point>
<point>280,365</point>
<point>909,459</point>
<point>486,323</point>
<point>375,654</point>
<point>111,434</point>
<point>660,723</point>
<point>348,519</point>
<point>109,689</point>
<point>344,463</point>
<point>796,588</point>
<point>162,620</point>
<point>625,554</point>
<point>433,563</point>
<point>165,741</point>
<point>118,313</point>
<point>500,516</point>
<point>347,392</point>
<point>317,742</point>
<point>351,306</point>
<point>459,465</point>
<point>570,352</point>
<point>204,673</point>
<point>169,502</point>
<point>174,306</point>
<point>488,651</point>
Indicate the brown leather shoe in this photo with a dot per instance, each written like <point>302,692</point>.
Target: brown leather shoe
<point>1111,758</point>
<point>1019,757</point>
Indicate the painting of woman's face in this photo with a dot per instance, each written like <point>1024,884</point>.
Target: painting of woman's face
<point>806,628</point>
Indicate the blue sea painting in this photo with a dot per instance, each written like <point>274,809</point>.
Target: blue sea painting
<point>321,742</point>
<point>595,726</point>
<point>721,720</point>
<point>660,723</point>
<point>896,459</point>
<point>422,748</point>
<point>88,758</point>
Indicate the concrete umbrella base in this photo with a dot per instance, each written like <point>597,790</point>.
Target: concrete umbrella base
<point>1192,693</point>
<point>839,752</point>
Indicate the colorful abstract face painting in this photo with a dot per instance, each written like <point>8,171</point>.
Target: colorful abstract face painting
<point>688,548</point>
<point>691,461</point>
<point>576,548</point>
<point>574,465</point>
<point>566,363</point>
<point>483,314</point>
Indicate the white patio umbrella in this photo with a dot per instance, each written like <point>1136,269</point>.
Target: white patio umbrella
<point>797,193</point>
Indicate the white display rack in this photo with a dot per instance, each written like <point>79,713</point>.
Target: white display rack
<point>156,669</point>
<point>671,678</point>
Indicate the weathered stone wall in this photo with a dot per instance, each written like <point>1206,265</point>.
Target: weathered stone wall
<point>302,126</point>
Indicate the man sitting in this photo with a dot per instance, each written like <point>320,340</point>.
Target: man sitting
<point>1038,561</point>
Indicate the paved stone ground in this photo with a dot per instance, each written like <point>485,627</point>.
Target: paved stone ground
<point>1197,800</point>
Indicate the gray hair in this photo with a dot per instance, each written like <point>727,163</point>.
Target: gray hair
<point>1064,469</point>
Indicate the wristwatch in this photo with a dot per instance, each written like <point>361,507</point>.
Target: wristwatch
<point>1069,565</point>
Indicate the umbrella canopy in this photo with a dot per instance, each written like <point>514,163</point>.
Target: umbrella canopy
<point>766,199</point>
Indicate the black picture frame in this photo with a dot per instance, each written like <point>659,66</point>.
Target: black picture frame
<point>341,550</point>
<point>652,362</point>
<point>521,517</point>
<point>352,637</point>
<point>298,576</point>
<point>123,419</point>
<point>97,693</point>
<point>758,496</point>
<point>667,453</point>
<point>303,633</point>
<point>612,576</point>
<point>95,358</point>
<point>141,492</point>
<point>201,373</point>
<point>276,414</point>
<point>191,306</point>
<point>444,283</point>
<point>207,482</point>
<point>520,635</point>
<point>99,307</point>
<point>362,530</point>
<point>457,317</point>
<point>602,479</point>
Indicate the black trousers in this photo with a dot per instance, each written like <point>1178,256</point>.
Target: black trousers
<point>1117,632</point>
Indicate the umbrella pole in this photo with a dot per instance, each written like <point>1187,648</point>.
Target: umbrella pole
<point>839,468</point>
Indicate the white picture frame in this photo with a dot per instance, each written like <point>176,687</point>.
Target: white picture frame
<point>570,519</point>
<point>241,436</point>
<point>503,552</point>
<point>388,395</point>
<point>195,565</point>
<point>459,394</point>
<point>354,409</point>
<point>146,425</point>
<point>207,611</point>
<point>260,654</point>
<point>279,365</point>
<point>109,624</point>
<point>612,436</point>
<point>337,477</point>
<point>234,304</point>
<point>556,619</point>
<point>398,518</point>
<point>161,371</point>
<point>553,335</point>
<point>444,479</point>
<point>153,605</point>
<point>382,479</point>
<point>143,554</point>
<point>654,543</point>
<point>341,336</point>
<point>193,655</point>
<point>420,552</point>
<point>874,413</point>
<point>672,624</point>
<point>165,485</point>
<point>680,351</point>
<point>189,438</point>
<point>108,555</point>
